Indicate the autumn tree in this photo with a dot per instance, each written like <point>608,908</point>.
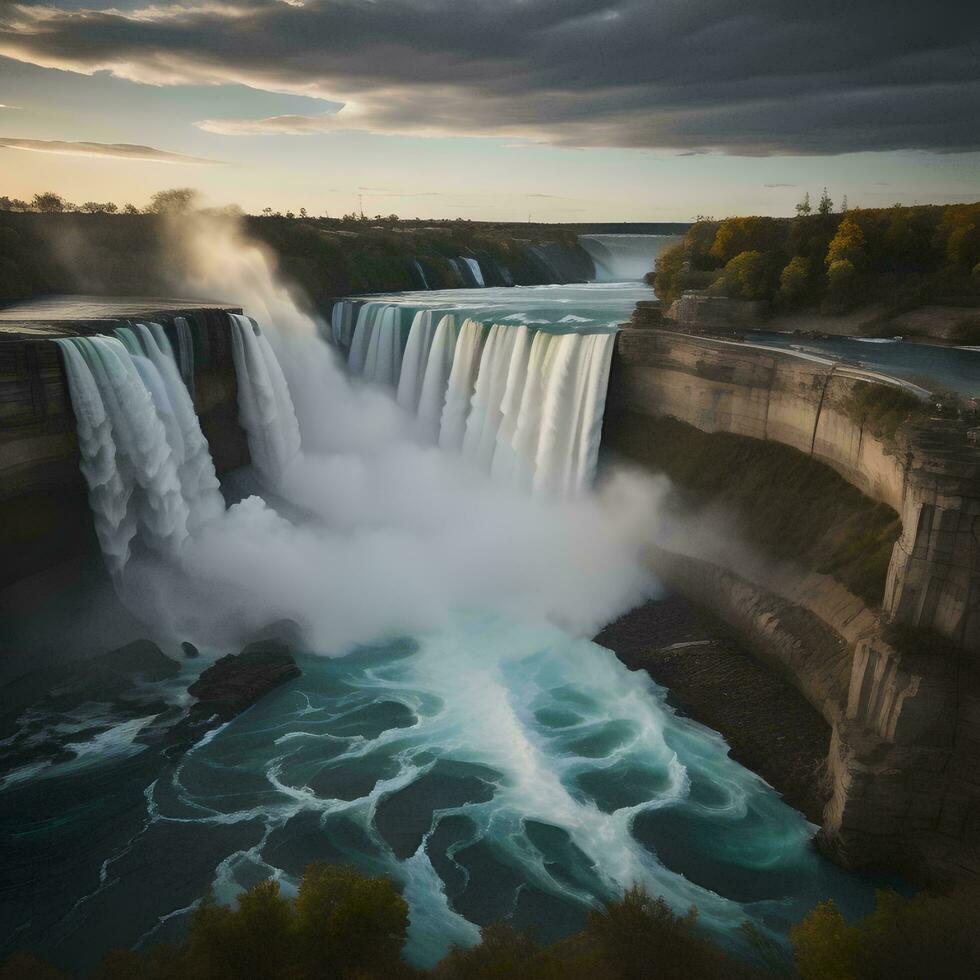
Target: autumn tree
<point>847,245</point>
<point>752,234</point>
<point>748,276</point>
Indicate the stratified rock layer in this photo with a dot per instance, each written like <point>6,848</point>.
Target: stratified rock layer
<point>904,761</point>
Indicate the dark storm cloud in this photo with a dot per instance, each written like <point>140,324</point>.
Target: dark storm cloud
<point>756,77</point>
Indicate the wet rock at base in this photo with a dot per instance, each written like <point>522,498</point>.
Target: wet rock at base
<point>236,681</point>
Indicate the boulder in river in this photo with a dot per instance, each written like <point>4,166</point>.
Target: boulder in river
<point>236,681</point>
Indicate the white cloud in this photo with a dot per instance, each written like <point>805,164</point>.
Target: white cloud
<point>117,151</point>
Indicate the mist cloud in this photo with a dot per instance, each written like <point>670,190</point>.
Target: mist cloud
<point>117,151</point>
<point>370,530</point>
<point>762,77</point>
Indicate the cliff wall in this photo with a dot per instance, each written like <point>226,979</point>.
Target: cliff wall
<point>928,473</point>
<point>900,685</point>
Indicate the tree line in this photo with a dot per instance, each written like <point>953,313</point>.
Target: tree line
<point>180,199</point>
<point>830,261</point>
<point>343,925</point>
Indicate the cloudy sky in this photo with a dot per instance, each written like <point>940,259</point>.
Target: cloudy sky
<point>559,109</point>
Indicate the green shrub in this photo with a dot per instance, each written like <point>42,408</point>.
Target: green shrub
<point>930,935</point>
<point>784,503</point>
<point>882,408</point>
<point>748,276</point>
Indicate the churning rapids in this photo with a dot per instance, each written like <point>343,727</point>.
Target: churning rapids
<point>451,727</point>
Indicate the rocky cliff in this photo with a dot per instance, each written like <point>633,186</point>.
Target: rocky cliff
<point>899,683</point>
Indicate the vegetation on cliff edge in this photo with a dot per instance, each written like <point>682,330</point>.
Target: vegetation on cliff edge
<point>898,257</point>
<point>783,503</point>
<point>345,926</point>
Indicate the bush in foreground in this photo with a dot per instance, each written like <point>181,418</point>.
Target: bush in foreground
<point>345,926</point>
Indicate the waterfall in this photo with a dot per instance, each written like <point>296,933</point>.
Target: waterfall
<point>522,403</point>
<point>147,464</point>
<point>144,458</point>
<point>415,358</point>
<point>421,272</point>
<point>265,407</point>
<point>475,271</point>
<point>185,351</point>
<point>619,258</point>
<point>383,358</point>
<point>438,366</point>
<point>466,362</point>
<point>342,324</point>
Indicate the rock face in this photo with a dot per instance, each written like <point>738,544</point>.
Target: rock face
<point>699,310</point>
<point>237,681</point>
<point>930,476</point>
<point>904,760</point>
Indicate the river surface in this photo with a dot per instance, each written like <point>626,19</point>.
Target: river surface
<point>494,771</point>
<point>931,366</point>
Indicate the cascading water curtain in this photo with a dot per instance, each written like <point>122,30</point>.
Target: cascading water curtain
<point>144,457</point>
<point>265,406</point>
<point>525,404</point>
<point>147,464</point>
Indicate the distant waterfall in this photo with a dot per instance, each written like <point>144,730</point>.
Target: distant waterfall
<point>144,457</point>
<point>421,273</point>
<point>475,271</point>
<point>524,404</point>
<point>620,258</point>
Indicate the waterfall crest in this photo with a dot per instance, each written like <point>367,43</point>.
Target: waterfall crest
<point>524,403</point>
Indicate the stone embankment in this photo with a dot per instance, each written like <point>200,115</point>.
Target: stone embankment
<point>899,686</point>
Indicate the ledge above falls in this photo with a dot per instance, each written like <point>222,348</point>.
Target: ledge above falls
<point>44,500</point>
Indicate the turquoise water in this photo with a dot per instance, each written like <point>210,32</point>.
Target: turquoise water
<point>501,772</point>
<point>585,306</point>
<point>495,771</point>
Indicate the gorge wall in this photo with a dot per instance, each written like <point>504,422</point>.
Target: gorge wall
<point>897,684</point>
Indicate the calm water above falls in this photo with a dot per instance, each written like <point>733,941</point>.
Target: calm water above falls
<point>930,365</point>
